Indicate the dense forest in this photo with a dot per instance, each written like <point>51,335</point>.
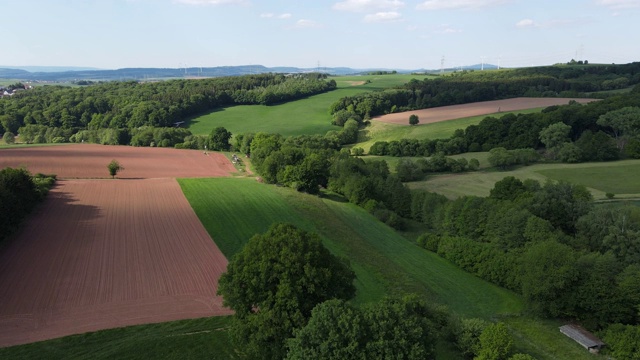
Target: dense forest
<point>55,113</point>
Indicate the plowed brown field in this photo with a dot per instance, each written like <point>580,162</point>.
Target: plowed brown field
<point>90,161</point>
<point>101,253</point>
<point>444,113</point>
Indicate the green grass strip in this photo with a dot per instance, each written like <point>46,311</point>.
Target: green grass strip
<point>204,338</point>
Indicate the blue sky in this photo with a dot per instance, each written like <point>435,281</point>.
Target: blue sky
<point>400,34</point>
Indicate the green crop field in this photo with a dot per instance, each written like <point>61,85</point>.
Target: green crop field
<point>305,116</point>
<point>380,131</point>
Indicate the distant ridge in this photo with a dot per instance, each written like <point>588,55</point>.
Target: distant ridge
<point>48,68</point>
<point>70,74</point>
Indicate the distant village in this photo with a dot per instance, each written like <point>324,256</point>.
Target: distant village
<point>13,89</point>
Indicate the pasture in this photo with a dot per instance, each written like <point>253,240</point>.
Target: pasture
<point>618,177</point>
<point>305,116</point>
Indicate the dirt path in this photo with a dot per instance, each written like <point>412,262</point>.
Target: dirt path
<point>444,113</point>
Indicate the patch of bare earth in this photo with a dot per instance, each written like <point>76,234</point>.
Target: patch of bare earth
<point>90,161</point>
<point>101,253</point>
<point>452,112</point>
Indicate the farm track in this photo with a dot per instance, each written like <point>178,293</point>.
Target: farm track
<point>100,254</point>
<point>452,112</point>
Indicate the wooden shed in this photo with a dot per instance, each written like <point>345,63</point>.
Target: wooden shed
<point>583,337</point>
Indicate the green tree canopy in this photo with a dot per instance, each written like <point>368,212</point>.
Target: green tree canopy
<point>274,283</point>
<point>220,139</point>
<point>114,168</point>
<point>624,123</point>
<point>335,330</point>
<point>555,135</point>
<point>394,328</point>
<point>495,343</point>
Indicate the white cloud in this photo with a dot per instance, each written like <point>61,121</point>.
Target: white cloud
<point>368,6</point>
<point>306,24</point>
<point>619,4</point>
<point>211,2</point>
<point>446,29</point>
<point>526,23</point>
<point>459,4</point>
<point>272,15</point>
<point>551,24</point>
<point>390,16</point>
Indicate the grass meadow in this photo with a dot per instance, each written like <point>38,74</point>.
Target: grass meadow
<point>306,116</point>
<point>617,177</point>
<point>180,340</point>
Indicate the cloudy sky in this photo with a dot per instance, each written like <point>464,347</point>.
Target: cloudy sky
<point>398,34</point>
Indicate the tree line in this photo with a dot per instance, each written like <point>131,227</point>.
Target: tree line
<point>473,86</point>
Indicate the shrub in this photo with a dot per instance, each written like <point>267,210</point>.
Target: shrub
<point>9,138</point>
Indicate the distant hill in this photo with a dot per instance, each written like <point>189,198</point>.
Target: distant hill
<point>61,75</point>
<point>48,68</point>
<point>70,74</point>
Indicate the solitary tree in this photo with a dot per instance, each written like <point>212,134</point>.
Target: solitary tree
<point>114,167</point>
<point>413,119</point>
<point>275,282</point>
<point>219,139</point>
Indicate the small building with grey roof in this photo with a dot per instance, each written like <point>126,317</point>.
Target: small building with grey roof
<point>582,337</point>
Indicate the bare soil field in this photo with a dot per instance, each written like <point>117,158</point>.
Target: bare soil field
<point>90,161</point>
<point>100,254</point>
<point>444,113</point>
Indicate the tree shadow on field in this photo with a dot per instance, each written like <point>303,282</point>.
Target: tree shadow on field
<point>330,195</point>
<point>58,215</point>
<point>66,212</point>
<point>191,120</point>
